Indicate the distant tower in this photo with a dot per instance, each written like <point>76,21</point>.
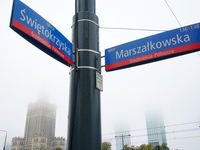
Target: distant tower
<point>39,129</point>
<point>40,121</point>
<point>155,128</point>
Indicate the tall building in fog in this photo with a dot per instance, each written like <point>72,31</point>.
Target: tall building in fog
<point>155,128</point>
<point>40,121</point>
<point>39,129</point>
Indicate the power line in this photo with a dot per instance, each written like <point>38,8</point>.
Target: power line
<point>115,28</point>
<point>169,139</point>
<point>173,13</point>
<point>180,124</point>
<point>198,54</point>
<point>178,138</point>
<point>169,132</point>
<point>131,29</point>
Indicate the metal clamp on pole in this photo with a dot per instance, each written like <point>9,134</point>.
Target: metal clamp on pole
<point>71,70</point>
<point>88,50</point>
<point>103,65</point>
<point>76,59</point>
<point>86,20</point>
<point>87,67</point>
<point>99,62</point>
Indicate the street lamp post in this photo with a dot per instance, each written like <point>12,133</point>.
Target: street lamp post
<point>5,139</point>
<point>123,139</point>
<point>84,119</point>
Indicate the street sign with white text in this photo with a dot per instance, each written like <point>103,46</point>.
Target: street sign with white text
<point>161,46</point>
<point>40,33</point>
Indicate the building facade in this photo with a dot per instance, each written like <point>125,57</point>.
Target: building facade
<point>155,128</point>
<point>39,129</point>
<point>40,121</point>
<point>17,143</point>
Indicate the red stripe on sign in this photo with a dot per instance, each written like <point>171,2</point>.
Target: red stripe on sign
<point>20,26</point>
<point>40,39</point>
<point>151,56</point>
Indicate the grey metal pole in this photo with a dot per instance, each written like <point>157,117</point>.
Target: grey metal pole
<point>84,119</point>
<point>4,147</point>
<point>122,141</point>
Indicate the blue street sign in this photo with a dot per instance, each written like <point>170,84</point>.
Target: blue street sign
<point>153,48</point>
<point>40,33</point>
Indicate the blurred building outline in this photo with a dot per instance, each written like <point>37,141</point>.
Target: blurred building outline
<point>155,128</point>
<point>39,129</point>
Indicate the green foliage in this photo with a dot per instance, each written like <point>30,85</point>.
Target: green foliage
<point>164,147</point>
<point>106,146</point>
<point>151,147</point>
<point>57,148</point>
<point>126,147</point>
<point>147,147</point>
<point>42,147</point>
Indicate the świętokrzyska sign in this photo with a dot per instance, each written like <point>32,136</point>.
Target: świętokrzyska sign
<point>153,48</point>
<point>40,33</point>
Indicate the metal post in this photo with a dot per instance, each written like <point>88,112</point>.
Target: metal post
<point>84,120</point>
<point>122,139</point>
<point>4,147</point>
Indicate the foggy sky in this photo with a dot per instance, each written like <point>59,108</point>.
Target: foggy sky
<point>26,73</point>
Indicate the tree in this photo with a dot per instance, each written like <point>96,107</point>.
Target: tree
<point>151,147</point>
<point>106,146</point>
<point>143,147</point>
<point>164,147</point>
<point>57,148</point>
<point>42,147</point>
<point>126,147</point>
<point>147,147</point>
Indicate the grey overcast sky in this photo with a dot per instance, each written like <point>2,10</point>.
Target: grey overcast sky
<point>172,85</point>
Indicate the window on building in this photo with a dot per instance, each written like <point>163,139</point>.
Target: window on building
<point>54,143</point>
<point>35,140</point>
<point>61,143</point>
<point>43,140</point>
<point>14,143</point>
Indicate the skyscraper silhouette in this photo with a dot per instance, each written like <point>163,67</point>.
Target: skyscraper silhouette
<point>39,129</point>
<point>155,128</point>
<point>40,121</point>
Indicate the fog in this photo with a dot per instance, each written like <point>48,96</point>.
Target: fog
<point>172,85</point>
